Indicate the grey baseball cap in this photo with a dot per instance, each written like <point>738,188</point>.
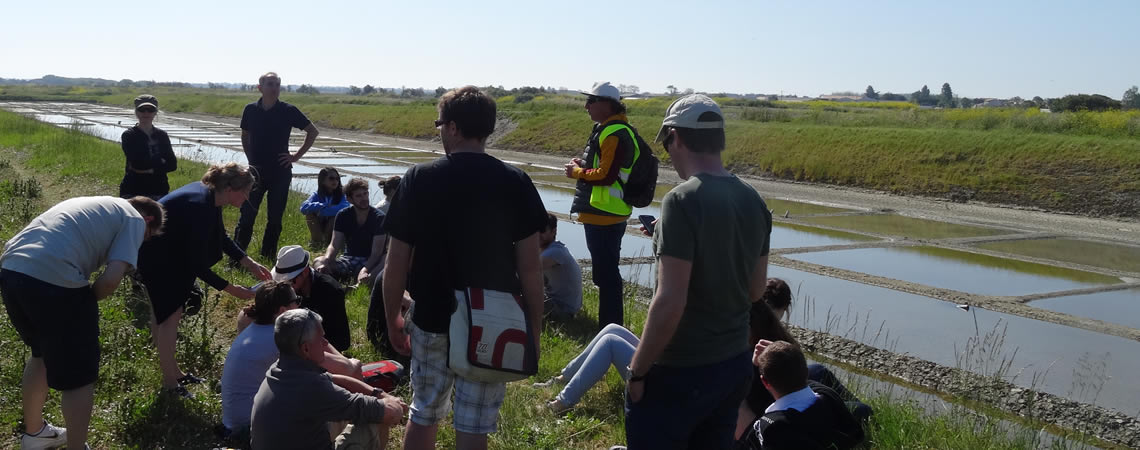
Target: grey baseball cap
<point>686,112</point>
<point>605,90</point>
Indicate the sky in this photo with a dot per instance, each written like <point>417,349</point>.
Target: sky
<point>994,48</point>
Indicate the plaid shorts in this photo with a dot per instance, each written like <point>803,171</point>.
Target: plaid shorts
<point>348,266</point>
<point>476,404</point>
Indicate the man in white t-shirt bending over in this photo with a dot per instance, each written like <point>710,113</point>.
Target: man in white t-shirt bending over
<point>43,278</point>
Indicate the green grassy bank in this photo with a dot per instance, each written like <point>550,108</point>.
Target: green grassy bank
<point>41,165</point>
<point>1083,162</point>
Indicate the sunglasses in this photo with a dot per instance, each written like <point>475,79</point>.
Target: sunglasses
<point>147,110</point>
<point>441,122</point>
<point>591,100</point>
<point>668,141</point>
<point>304,328</point>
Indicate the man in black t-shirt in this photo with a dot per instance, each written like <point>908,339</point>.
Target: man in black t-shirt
<point>499,251</point>
<point>356,230</point>
<point>265,128</point>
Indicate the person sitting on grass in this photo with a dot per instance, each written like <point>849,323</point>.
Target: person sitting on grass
<point>615,345</point>
<point>321,208</point>
<point>560,273</point>
<point>778,297</point>
<point>357,232</point>
<point>806,414</point>
<point>388,186</point>
<point>253,351</point>
<point>322,293</point>
<point>299,405</point>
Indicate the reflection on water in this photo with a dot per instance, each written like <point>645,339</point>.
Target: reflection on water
<point>574,236</point>
<point>930,329</point>
<point>347,161</point>
<point>963,271</point>
<point>1119,307</point>
<point>1096,254</point>
<point>786,235</point>
<point>642,274</point>
<point>386,169</point>
<point>779,207</point>
<point>910,227</point>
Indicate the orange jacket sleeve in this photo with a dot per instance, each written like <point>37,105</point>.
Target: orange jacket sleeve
<point>605,174</point>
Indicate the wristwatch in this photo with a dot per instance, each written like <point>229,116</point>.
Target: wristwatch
<point>376,392</point>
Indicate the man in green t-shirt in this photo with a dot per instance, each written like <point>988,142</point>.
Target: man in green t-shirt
<point>692,368</point>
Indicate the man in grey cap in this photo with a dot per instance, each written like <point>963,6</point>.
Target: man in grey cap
<point>601,172</point>
<point>712,250</point>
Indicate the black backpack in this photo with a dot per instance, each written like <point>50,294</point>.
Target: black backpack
<point>642,184</point>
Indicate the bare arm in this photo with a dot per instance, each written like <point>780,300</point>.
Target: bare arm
<point>664,313</point>
<point>395,281</point>
<point>350,384</point>
<point>339,364</point>
<point>373,257</point>
<point>246,142</point>
<point>106,284</point>
<point>530,275</point>
<point>759,280</point>
<point>311,133</point>
<point>335,246</point>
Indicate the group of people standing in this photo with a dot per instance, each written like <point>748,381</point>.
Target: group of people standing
<point>711,326</point>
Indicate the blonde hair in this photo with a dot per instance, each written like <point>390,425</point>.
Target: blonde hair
<point>232,175</point>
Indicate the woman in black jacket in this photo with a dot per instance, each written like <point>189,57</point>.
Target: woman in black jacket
<point>149,154</point>
<point>192,241</point>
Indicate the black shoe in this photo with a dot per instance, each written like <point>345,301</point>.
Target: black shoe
<point>179,391</point>
<point>190,379</point>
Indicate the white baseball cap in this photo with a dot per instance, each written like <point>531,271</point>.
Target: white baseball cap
<point>605,90</point>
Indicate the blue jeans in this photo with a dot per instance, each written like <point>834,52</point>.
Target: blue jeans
<point>275,181</point>
<point>689,407</point>
<point>613,345</point>
<point>604,243</point>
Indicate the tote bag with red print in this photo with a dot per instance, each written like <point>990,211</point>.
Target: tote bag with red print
<point>491,339</point>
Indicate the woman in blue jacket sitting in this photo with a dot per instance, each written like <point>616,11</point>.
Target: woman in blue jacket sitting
<point>321,208</point>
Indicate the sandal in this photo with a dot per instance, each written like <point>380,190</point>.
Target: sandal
<point>190,379</point>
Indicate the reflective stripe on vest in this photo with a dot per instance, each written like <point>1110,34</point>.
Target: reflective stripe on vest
<point>610,198</point>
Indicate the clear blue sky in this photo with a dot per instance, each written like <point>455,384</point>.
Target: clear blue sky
<point>994,48</point>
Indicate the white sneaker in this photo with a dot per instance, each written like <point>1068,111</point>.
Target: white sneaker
<point>50,436</point>
<point>557,407</point>
<point>553,381</point>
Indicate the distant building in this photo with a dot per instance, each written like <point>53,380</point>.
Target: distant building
<point>992,103</point>
<point>847,98</point>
